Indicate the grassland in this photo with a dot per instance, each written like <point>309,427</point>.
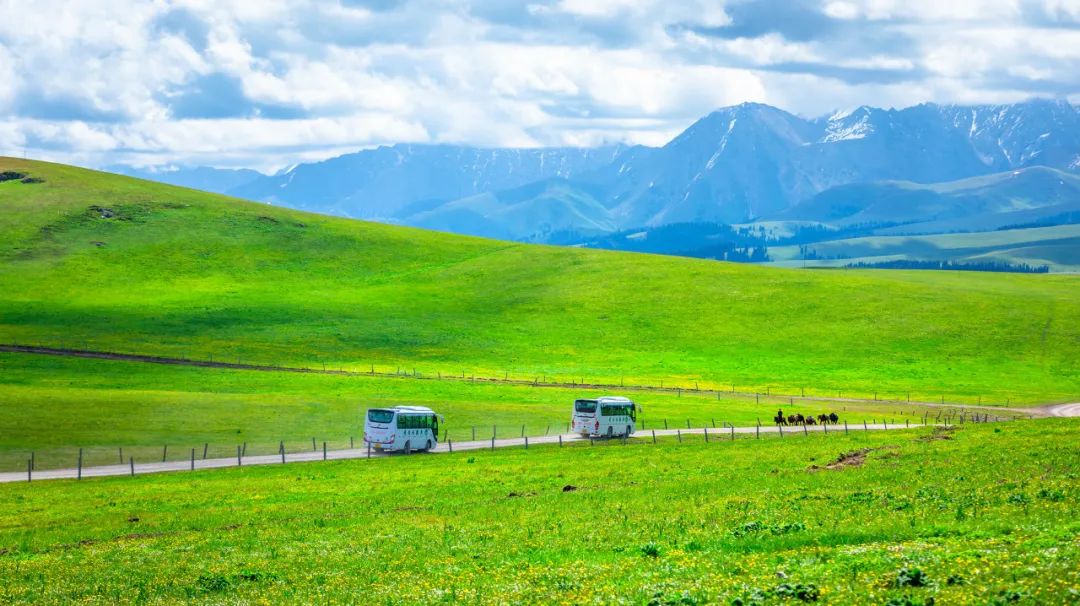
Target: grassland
<point>1057,247</point>
<point>55,406</point>
<point>112,263</point>
<point>981,515</point>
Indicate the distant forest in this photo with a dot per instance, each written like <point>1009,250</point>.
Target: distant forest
<point>1020,268</point>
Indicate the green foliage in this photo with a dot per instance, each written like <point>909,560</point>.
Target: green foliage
<point>436,529</point>
<point>113,263</point>
<point>911,577</point>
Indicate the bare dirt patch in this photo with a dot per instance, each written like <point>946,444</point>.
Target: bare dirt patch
<point>847,459</point>
<point>938,433</point>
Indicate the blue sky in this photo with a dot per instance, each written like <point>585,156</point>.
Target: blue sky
<point>268,83</point>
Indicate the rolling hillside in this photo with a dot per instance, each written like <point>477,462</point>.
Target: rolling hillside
<point>978,204</point>
<point>108,262</point>
<point>1056,247</point>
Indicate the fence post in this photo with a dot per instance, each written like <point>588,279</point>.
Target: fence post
<point>368,452</point>
<point>205,446</point>
<point>548,430</point>
<point>239,459</point>
<point>523,431</point>
<point>493,442</point>
<point>678,433</point>
<point>706,430</point>
<point>804,430</point>
<point>526,442</point>
<point>494,431</point>
<point>324,451</point>
<point>665,424</point>
<point>131,461</point>
<point>192,459</point>
<point>757,432</point>
<point>713,423</point>
<point>560,440</point>
<point>907,423</point>
<point>781,428</point>
<point>33,461</point>
<point>885,422</point>
<point>281,451</point>
<point>164,453</point>
<point>845,426</point>
<point>245,449</point>
<point>313,447</point>
<point>865,428</point>
<point>79,476</point>
<point>732,433</point>
<point>29,470</point>
<point>688,423</point>
<point>352,444</point>
<point>121,455</point>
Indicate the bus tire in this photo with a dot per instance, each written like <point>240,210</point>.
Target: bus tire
<point>408,447</point>
<point>627,434</point>
<point>428,449</point>
<point>610,432</point>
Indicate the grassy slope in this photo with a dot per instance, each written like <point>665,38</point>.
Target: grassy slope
<point>1057,247</point>
<point>55,406</point>
<point>686,524</point>
<point>185,273</point>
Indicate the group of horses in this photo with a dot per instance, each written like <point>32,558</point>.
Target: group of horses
<point>799,419</point>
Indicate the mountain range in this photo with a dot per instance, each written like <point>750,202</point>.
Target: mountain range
<point>750,163</point>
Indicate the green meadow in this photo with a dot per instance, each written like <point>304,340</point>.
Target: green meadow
<point>54,406</point>
<point>98,261</point>
<point>981,514</point>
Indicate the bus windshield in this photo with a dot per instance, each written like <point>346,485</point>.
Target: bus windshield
<point>380,416</point>
<point>585,406</point>
<point>617,410</point>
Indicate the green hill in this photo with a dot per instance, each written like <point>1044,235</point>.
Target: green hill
<point>113,263</point>
<point>981,203</point>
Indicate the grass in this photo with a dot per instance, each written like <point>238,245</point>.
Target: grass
<point>980,515</point>
<point>54,406</point>
<point>1056,247</point>
<point>112,263</point>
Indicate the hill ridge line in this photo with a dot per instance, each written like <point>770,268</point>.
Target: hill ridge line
<point>152,359</point>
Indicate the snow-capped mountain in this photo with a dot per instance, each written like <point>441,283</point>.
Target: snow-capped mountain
<point>737,164</point>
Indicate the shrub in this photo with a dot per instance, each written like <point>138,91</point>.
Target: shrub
<point>911,577</point>
<point>650,550</point>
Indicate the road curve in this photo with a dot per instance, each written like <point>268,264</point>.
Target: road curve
<point>715,434</point>
<point>1061,410</point>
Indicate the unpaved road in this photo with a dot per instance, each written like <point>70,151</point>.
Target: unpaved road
<point>358,453</point>
<point>1059,410</point>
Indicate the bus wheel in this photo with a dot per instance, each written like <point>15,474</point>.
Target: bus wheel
<point>610,432</point>
<point>408,447</point>
<point>428,449</point>
<point>627,431</point>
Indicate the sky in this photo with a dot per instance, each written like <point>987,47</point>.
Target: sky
<point>269,83</point>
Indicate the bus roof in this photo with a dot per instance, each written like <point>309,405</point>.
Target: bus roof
<point>416,409</point>
<point>607,400</point>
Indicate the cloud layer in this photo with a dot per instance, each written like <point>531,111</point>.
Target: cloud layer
<point>268,83</point>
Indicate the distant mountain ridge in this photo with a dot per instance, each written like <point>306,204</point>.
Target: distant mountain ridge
<point>739,164</point>
<point>378,183</point>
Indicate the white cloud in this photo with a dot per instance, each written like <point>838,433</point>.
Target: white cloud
<point>272,82</point>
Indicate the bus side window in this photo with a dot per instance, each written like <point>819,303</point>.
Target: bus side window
<point>401,421</point>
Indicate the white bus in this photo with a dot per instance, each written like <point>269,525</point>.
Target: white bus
<point>607,416</point>
<point>402,428</point>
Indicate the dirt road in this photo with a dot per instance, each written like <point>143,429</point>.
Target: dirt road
<point>358,453</point>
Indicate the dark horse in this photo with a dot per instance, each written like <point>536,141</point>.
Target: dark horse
<point>779,418</point>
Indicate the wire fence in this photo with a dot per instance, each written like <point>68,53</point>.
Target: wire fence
<point>678,387</point>
<point>186,449</point>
